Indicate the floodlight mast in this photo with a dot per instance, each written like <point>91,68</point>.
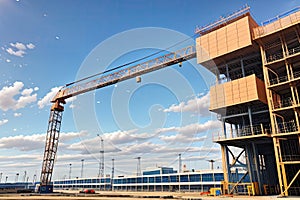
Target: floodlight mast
<point>86,85</point>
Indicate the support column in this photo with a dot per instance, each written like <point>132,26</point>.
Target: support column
<point>277,157</point>
<point>249,162</point>
<point>224,128</point>
<point>242,66</point>
<point>250,119</point>
<point>226,168</point>
<point>227,73</point>
<point>258,174</point>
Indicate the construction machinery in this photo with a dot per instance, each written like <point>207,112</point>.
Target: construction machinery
<point>87,85</point>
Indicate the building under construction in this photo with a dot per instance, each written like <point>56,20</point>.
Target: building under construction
<point>256,97</point>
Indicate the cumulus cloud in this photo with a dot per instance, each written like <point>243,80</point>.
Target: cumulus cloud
<point>199,105</point>
<point>19,49</point>
<point>30,46</point>
<point>18,45</point>
<point>13,97</point>
<point>19,53</point>
<point>188,133</point>
<point>23,142</point>
<point>17,114</point>
<point>35,141</point>
<point>4,121</point>
<point>48,97</point>
<point>91,145</point>
<point>46,100</point>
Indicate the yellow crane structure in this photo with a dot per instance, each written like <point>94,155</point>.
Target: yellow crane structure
<point>86,85</point>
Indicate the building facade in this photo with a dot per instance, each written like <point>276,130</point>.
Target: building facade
<point>161,179</point>
<point>256,98</point>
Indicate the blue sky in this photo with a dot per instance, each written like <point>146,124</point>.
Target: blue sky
<point>46,44</point>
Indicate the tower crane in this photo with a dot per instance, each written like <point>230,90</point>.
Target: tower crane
<point>86,85</point>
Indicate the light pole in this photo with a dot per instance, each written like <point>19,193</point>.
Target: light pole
<point>82,160</point>
<point>179,163</point>
<point>17,177</point>
<point>70,171</point>
<point>112,172</point>
<point>101,158</point>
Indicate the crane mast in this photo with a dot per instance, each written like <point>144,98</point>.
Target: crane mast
<point>55,119</point>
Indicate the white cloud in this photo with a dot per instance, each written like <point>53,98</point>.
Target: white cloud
<point>19,49</point>
<point>48,97</point>
<point>11,97</point>
<point>199,105</point>
<point>91,145</point>
<point>19,53</point>
<point>35,141</point>
<point>23,142</point>
<point>18,45</point>
<point>138,148</point>
<point>46,100</point>
<point>17,114</point>
<point>30,46</point>
<point>4,121</point>
<point>188,133</point>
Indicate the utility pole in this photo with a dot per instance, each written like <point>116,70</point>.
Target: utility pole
<point>179,163</point>
<point>82,160</point>
<point>112,173</point>
<point>101,159</point>
<point>17,177</point>
<point>211,164</point>
<point>138,168</point>
<point>112,168</point>
<point>34,178</point>
<point>70,171</point>
<point>25,175</point>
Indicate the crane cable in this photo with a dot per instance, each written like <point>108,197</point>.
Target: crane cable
<point>132,62</point>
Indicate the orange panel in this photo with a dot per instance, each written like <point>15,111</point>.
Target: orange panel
<point>232,37</point>
<point>238,91</point>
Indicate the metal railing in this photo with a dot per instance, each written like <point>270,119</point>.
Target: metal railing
<point>286,127</point>
<point>283,79</point>
<point>278,22</point>
<point>278,80</point>
<point>244,131</point>
<point>285,102</point>
<point>223,20</point>
<point>290,157</point>
<point>274,57</point>
<point>280,55</point>
<point>294,51</point>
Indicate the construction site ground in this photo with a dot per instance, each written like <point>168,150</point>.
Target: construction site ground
<point>117,195</point>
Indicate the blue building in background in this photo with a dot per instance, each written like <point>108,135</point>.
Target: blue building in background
<point>159,179</point>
